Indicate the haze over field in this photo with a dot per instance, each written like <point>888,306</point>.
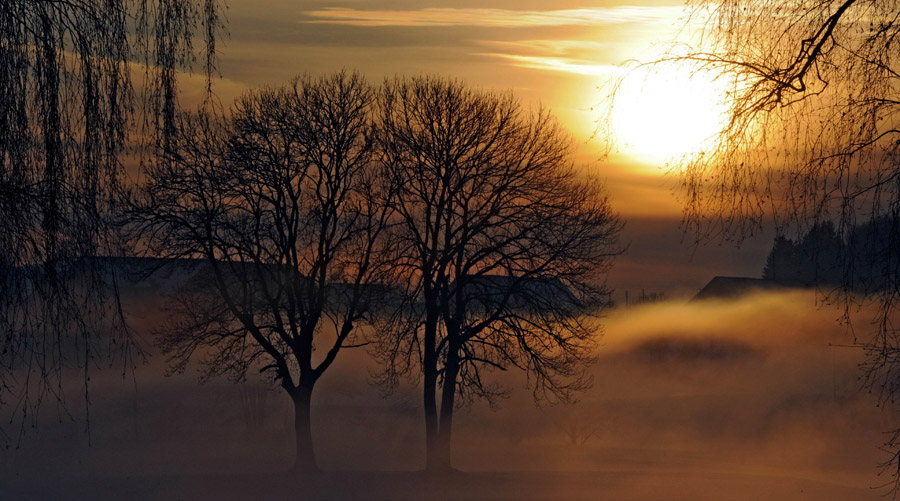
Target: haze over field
<point>751,398</point>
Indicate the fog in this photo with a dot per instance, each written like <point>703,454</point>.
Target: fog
<point>744,399</point>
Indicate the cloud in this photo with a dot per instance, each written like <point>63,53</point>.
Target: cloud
<point>570,56</point>
<point>554,46</point>
<point>555,64</point>
<point>496,18</point>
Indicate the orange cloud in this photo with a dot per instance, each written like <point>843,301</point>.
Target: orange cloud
<point>556,64</point>
<point>496,18</point>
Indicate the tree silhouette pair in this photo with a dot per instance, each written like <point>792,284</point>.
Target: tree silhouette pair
<point>443,225</point>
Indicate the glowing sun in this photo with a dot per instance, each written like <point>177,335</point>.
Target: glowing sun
<point>666,113</point>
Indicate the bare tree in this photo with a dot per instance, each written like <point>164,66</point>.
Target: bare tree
<point>279,203</point>
<point>70,112</point>
<point>577,425</point>
<point>812,137</point>
<point>502,247</point>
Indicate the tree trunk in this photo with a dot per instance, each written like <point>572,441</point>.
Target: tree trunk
<point>441,449</point>
<point>305,459</point>
<point>431,428</point>
<point>430,393</point>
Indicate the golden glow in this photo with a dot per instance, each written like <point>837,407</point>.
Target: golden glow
<point>666,113</point>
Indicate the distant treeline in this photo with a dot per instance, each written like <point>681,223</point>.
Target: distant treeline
<point>865,258</point>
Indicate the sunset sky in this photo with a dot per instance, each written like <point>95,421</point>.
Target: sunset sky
<point>175,337</point>
<point>557,54</point>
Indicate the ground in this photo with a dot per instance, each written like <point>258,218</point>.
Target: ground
<point>745,400</point>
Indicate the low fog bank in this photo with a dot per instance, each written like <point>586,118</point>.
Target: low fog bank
<point>742,399</point>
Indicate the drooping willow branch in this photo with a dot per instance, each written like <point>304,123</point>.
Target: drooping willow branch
<point>85,87</point>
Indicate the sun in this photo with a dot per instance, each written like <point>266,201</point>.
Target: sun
<point>665,113</point>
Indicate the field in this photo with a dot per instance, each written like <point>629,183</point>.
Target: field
<point>745,400</point>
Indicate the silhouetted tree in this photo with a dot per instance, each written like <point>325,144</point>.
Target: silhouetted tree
<point>814,261</point>
<point>279,201</point>
<point>812,134</point>
<point>821,253</point>
<point>69,112</point>
<point>781,263</point>
<point>875,257</point>
<point>501,243</point>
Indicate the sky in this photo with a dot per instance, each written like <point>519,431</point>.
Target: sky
<point>560,55</point>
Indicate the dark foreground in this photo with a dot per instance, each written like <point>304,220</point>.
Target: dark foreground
<point>630,485</point>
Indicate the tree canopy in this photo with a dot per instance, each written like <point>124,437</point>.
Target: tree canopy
<point>501,244</point>
<point>279,200</point>
<point>811,133</point>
